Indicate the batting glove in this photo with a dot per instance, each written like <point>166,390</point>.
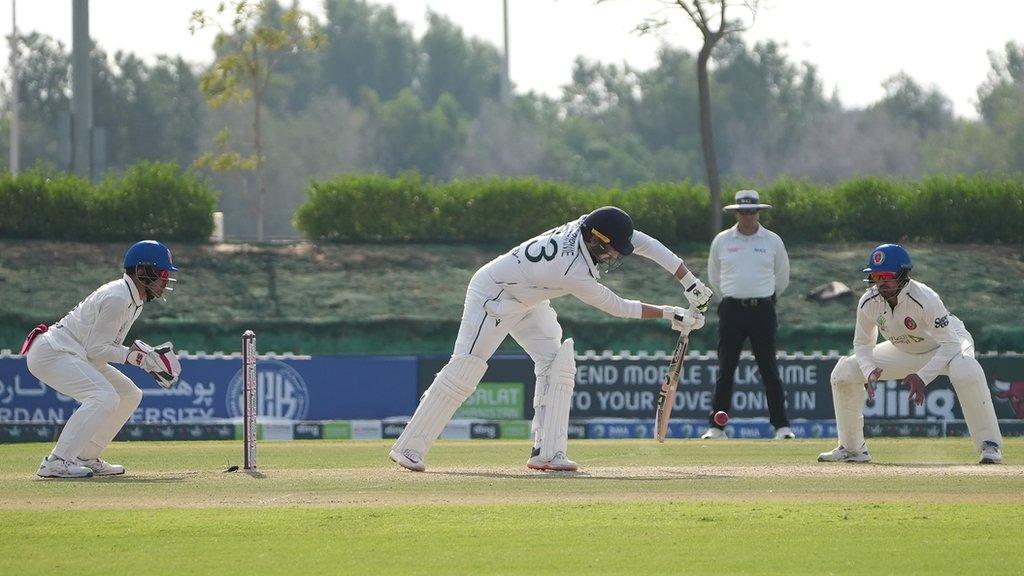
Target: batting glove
<point>697,294</point>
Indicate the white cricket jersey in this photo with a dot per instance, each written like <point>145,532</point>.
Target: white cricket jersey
<point>96,327</point>
<point>557,263</point>
<point>919,324</point>
<point>748,266</point>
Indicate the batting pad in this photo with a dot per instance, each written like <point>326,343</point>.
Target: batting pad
<point>451,387</point>
<point>971,386</point>
<point>848,395</point>
<point>551,421</point>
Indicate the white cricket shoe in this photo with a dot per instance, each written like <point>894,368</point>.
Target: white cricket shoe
<point>714,434</point>
<point>101,467</point>
<point>841,454</point>
<point>57,467</point>
<point>558,463</point>
<point>784,433</point>
<point>990,453</point>
<point>409,459</point>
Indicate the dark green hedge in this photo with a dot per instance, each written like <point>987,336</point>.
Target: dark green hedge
<point>369,208</point>
<point>150,200</point>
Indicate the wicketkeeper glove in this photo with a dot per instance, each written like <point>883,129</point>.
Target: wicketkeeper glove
<point>683,320</point>
<point>697,294</point>
<point>161,362</point>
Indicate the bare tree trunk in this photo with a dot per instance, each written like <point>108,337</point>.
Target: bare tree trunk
<point>707,136</point>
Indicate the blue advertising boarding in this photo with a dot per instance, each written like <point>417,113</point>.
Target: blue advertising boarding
<point>336,387</point>
<point>290,388</point>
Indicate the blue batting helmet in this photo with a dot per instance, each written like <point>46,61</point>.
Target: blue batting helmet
<point>889,258</point>
<point>149,253</point>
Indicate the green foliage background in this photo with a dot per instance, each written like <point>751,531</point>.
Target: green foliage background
<point>150,200</point>
<point>374,208</point>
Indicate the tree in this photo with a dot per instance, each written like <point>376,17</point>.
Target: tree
<point>44,91</point>
<point>1004,79</point>
<point>367,47</point>
<point>709,16</point>
<point>503,140</point>
<point>666,113</point>
<point>249,48</point>
<point>1001,103</point>
<point>470,71</point>
<point>923,110</point>
<point>995,145</point>
<point>767,105</point>
<point>149,112</point>
<point>412,137</point>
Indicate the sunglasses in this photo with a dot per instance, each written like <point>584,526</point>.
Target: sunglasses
<point>747,211</point>
<point>881,276</point>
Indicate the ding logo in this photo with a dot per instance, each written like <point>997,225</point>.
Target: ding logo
<point>280,392</point>
<point>909,323</point>
<point>878,257</point>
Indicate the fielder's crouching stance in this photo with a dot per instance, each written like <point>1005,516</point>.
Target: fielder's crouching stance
<point>73,357</point>
<point>923,340</point>
<point>511,295</point>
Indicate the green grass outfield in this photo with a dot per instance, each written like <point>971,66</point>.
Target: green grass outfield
<point>635,507</point>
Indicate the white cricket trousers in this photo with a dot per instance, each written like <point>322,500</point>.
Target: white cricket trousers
<point>108,398</point>
<point>963,370</point>
<point>488,317</point>
<point>536,328</point>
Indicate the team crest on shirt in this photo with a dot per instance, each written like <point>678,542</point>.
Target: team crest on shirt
<point>909,323</point>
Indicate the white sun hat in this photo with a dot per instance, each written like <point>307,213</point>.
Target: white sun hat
<point>747,200</point>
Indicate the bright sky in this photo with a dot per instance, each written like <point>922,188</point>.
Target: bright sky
<point>856,44</point>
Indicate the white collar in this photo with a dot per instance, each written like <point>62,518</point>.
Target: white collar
<point>133,290</point>
<point>736,231</point>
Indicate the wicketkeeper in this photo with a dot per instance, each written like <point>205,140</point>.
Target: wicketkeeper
<point>511,295</point>
<point>74,355</point>
<point>922,341</point>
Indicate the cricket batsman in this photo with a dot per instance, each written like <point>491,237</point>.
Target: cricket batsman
<point>74,357</point>
<point>511,295</point>
<point>922,341</point>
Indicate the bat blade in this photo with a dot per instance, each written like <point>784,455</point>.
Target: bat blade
<point>667,394</point>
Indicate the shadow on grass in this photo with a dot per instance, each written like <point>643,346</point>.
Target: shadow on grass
<point>553,475</point>
<point>118,480</point>
<point>924,465</point>
<point>251,473</point>
<point>142,479</point>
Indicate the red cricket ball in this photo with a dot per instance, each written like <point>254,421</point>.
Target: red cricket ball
<point>721,418</point>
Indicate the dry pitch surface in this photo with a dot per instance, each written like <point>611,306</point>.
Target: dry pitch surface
<point>352,473</point>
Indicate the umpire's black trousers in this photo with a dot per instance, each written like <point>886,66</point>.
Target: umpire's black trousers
<point>739,319</point>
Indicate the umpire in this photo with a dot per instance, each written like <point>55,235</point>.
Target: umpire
<point>749,267</point>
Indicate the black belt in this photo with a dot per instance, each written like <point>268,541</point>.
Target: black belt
<point>749,302</point>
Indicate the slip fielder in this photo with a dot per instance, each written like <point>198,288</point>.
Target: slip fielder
<point>923,340</point>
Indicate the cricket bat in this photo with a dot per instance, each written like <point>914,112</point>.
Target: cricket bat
<point>667,395</point>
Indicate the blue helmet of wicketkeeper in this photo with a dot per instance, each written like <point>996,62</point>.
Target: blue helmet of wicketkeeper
<point>150,263</point>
